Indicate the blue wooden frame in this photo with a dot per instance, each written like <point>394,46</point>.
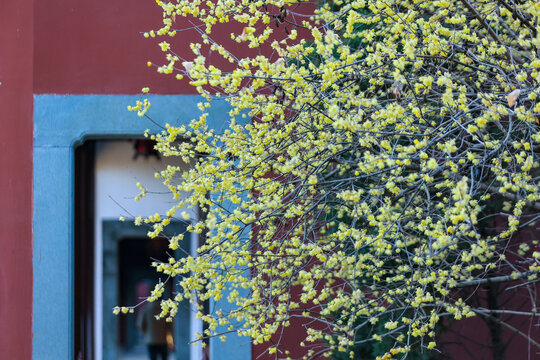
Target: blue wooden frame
<point>61,122</point>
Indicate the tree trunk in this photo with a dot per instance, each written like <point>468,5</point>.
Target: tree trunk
<point>494,323</point>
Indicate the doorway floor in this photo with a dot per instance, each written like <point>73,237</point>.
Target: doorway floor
<point>139,354</point>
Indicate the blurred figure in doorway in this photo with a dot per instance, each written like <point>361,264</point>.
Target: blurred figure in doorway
<point>156,332</point>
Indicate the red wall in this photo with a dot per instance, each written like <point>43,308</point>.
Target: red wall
<point>16,30</point>
<point>96,47</point>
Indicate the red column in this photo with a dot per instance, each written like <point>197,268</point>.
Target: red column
<point>16,104</point>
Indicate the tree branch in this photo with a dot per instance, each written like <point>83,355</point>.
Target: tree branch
<point>496,279</point>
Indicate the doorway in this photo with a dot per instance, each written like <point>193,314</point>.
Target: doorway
<point>113,257</point>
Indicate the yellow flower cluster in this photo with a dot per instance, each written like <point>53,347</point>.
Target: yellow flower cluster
<point>358,188</point>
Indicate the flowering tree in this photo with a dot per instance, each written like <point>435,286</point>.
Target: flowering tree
<point>387,167</point>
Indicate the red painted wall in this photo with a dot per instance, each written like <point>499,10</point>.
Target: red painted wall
<point>16,31</point>
<point>96,47</point>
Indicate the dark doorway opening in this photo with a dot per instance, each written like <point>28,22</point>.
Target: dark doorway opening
<point>136,279</point>
<point>84,251</point>
<point>127,277</point>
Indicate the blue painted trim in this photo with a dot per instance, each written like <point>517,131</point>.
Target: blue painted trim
<point>60,123</point>
<point>63,120</point>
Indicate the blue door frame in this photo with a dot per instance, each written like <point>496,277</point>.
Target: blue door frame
<point>61,122</point>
